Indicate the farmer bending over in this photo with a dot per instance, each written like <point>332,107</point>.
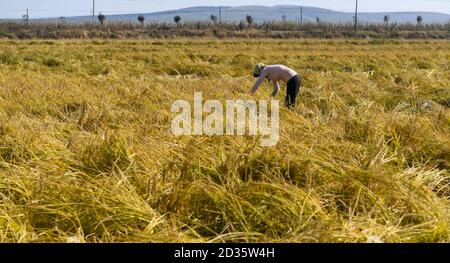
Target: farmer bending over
<point>275,73</point>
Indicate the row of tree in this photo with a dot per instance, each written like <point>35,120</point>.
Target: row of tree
<point>248,18</point>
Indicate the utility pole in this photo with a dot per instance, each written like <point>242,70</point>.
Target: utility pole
<point>356,16</point>
<point>93,11</point>
<point>301,15</point>
<point>28,17</point>
<point>220,14</point>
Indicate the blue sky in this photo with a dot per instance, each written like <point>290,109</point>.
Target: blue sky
<point>56,8</point>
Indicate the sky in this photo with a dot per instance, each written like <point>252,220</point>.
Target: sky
<point>57,8</point>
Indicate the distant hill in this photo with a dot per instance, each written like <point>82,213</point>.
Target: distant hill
<point>273,13</point>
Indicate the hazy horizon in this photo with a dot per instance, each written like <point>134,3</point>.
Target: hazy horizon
<point>55,8</point>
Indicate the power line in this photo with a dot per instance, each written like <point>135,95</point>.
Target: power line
<point>222,10</point>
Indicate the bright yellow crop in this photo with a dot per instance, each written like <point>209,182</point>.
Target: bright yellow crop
<point>86,152</point>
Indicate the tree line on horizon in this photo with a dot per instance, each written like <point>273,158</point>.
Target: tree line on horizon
<point>177,19</point>
<point>246,28</point>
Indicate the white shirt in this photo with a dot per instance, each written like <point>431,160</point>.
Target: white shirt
<point>274,73</point>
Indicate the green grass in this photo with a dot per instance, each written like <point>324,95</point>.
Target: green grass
<point>86,152</point>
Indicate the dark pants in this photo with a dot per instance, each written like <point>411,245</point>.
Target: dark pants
<point>293,88</point>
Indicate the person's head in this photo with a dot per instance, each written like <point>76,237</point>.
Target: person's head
<point>257,70</point>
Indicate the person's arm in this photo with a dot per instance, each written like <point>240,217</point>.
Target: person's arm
<point>259,81</point>
<point>276,89</point>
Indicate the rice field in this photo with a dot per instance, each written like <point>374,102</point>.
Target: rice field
<point>87,154</point>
